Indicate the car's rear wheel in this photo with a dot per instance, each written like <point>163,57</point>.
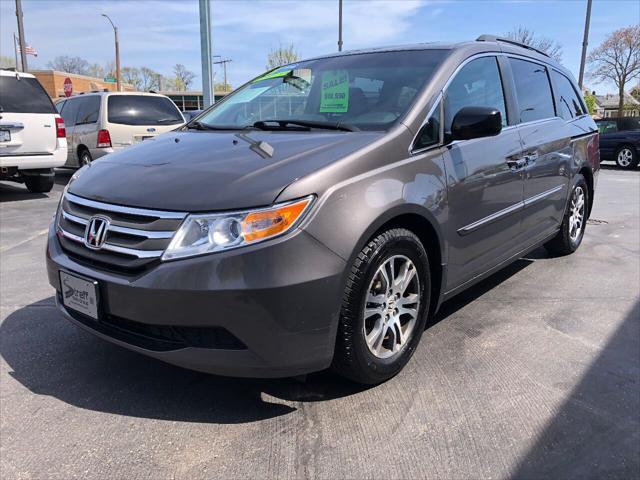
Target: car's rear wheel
<point>39,183</point>
<point>85,158</point>
<point>626,157</point>
<point>384,308</point>
<point>574,222</point>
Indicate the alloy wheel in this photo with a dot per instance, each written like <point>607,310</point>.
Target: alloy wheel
<point>392,306</point>
<point>625,157</point>
<point>576,219</point>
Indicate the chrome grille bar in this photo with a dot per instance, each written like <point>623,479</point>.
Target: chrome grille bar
<point>108,207</point>
<point>118,229</point>
<point>114,248</point>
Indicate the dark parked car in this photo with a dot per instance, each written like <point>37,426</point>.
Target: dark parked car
<point>620,140</point>
<point>318,215</point>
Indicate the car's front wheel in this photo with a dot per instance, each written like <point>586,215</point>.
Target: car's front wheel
<point>384,307</point>
<point>626,157</point>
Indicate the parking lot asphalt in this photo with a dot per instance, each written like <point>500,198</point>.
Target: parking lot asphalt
<point>533,373</point>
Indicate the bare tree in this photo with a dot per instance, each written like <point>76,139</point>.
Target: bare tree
<point>184,77</point>
<point>149,80</point>
<point>281,56</point>
<point>222,87</point>
<point>617,60</point>
<point>67,64</point>
<point>7,62</point>
<point>95,70</point>
<point>132,76</point>
<point>528,37</point>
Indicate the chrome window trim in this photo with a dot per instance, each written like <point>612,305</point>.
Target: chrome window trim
<point>109,207</point>
<point>441,96</point>
<point>149,234</point>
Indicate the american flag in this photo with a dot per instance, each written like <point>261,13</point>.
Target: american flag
<point>29,50</point>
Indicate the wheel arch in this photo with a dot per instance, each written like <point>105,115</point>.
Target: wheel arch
<point>422,223</point>
<point>587,173</point>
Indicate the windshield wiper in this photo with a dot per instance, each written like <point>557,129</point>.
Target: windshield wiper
<point>283,124</point>
<point>197,125</point>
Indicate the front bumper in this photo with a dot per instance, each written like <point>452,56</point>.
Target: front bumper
<point>280,301</point>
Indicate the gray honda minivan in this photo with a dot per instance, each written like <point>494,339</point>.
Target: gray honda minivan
<point>318,215</point>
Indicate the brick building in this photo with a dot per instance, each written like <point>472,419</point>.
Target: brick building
<point>53,83</point>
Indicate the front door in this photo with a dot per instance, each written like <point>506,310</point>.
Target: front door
<point>484,179</point>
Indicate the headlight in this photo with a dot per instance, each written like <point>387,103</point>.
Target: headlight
<point>210,233</point>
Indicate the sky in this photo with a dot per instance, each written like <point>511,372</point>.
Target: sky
<point>160,33</point>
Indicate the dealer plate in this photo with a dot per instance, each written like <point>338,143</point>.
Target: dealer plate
<point>79,294</point>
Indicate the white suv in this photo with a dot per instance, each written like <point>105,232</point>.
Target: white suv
<point>32,134</point>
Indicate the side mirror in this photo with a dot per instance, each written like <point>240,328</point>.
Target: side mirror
<point>476,122</point>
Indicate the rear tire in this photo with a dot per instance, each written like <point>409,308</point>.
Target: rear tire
<point>626,157</point>
<point>39,183</point>
<point>84,158</point>
<point>574,222</point>
<point>384,308</point>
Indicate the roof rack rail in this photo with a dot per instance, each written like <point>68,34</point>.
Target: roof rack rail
<point>495,38</point>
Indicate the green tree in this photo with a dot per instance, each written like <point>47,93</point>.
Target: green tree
<point>590,100</point>
<point>528,37</point>
<point>222,87</point>
<point>281,56</point>
<point>617,60</point>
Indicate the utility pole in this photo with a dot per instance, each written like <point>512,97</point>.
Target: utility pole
<point>115,32</point>
<point>585,42</point>
<point>205,53</point>
<point>21,40</point>
<point>339,25</point>
<point>224,65</point>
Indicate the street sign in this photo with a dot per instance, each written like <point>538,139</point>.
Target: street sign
<point>110,79</point>
<point>68,87</point>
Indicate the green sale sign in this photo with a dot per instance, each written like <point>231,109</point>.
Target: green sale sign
<point>335,92</point>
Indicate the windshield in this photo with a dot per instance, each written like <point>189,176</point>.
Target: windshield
<point>142,110</point>
<point>366,91</point>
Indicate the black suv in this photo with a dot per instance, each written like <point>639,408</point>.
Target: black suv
<point>620,140</point>
<point>319,214</point>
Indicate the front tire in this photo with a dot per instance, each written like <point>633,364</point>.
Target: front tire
<point>574,222</point>
<point>384,308</point>
<point>39,183</point>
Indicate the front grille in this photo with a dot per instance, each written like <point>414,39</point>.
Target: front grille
<point>135,237</point>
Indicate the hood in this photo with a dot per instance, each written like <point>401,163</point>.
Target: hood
<point>206,170</point>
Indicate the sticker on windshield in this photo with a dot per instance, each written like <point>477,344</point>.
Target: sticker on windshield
<point>278,72</point>
<point>335,92</point>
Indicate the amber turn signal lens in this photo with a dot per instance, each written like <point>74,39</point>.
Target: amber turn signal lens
<point>268,223</point>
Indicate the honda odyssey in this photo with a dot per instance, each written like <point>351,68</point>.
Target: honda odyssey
<point>318,215</point>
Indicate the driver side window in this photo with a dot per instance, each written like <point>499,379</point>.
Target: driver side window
<point>477,84</point>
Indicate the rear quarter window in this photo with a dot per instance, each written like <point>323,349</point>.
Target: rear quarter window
<point>24,95</point>
<point>142,110</point>
<point>569,104</point>
<point>533,90</point>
